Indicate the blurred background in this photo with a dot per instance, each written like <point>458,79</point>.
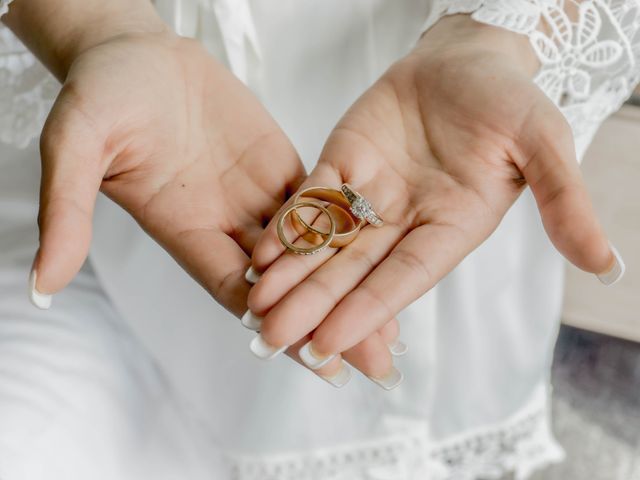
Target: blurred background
<point>596,372</point>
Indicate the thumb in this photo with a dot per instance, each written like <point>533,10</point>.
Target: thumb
<point>552,171</point>
<point>71,177</point>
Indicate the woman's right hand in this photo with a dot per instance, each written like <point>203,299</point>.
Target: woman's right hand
<point>164,130</point>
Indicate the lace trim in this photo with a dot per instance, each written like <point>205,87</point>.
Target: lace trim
<point>588,49</point>
<point>26,94</point>
<point>4,6</point>
<point>521,444</point>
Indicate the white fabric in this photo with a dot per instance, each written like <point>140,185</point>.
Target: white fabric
<point>473,404</point>
<point>588,50</point>
<point>4,6</point>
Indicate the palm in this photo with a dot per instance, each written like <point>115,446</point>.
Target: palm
<point>443,158</point>
<point>184,147</point>
<point>440,145</point>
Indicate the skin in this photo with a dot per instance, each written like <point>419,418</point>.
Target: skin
<point>159,126</point>
<point>442,145</point>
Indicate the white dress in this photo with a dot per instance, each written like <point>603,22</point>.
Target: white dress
<point>136,373</point>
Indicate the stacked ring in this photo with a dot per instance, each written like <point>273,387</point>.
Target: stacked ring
<point>302,250</point>
<point>338,206</point>
<point>345,204</point>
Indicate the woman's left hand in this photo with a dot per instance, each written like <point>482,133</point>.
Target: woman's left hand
<point>442,145</point>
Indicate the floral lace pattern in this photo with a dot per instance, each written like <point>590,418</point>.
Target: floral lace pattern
<point>26,94</point>
<point>4,6</point>
<point>519,445</point>
<point>588,50</point>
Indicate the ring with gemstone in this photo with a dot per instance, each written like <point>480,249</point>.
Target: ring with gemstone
<point>347,225</point>
<point>360,206</point>
<point>319,246</point>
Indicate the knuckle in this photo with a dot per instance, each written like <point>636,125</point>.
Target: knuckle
<point>373,300</point>
<point>226,286</point>
<point>359,256</point>
<point>391,330</point>
<point>260,296</point>
<point>374,362</point>
<point>412,262</point>
<point>321,287</point>
<point>276,331</point>
<point>331,368</point>
<point>325,341</point>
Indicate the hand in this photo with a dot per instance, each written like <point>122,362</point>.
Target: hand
<point>165,131</point>
<point>442,145</point>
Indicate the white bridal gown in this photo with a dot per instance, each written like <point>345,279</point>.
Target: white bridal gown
<point>135,373</point>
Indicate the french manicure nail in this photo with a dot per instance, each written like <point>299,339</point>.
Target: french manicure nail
<point>251,321</point>
<point>312,360</point>
<point>252,276</point>
<point>616,271</point>
<point>391,380</point>
<point>38,299</point>
<point>341,378</point>
<point>398,348</point>
<point>263,350</point>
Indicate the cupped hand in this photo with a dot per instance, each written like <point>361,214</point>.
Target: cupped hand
<point>442,145</point>
<point>170,135</point>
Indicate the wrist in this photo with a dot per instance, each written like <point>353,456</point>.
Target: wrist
<point>459,35</point>
<point>57,40</point>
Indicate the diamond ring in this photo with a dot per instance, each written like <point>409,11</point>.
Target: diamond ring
<point>360,206</point>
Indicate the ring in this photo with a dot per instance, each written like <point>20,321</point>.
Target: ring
<point>310,250</point>
<point>339,207</point>
<point>360,206</point>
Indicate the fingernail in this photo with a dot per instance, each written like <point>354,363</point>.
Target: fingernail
<point>341,378</point>
<point>252,276</point>
<point>398,348</point>
<point>251,321</point>
<point>616,271</point>
<point>40,300</point>
<point>312,360</point>
<point>263,350</point>
<point>391,380</point>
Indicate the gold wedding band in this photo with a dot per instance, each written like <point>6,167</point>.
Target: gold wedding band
<point>338,206</point>
<point>326,239</point>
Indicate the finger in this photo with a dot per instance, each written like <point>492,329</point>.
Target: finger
<point>373,359</point>
<point>312,300</point>
<point>289,269</point>
<point>390,333</point>
<point>415,265</point>
<point>72,169</point>
<point>551,169</point>
<point>290,266</point>
<point>256,169</point>
<point>248,236</point>
<point>337,372</point>
<point>216,262</point>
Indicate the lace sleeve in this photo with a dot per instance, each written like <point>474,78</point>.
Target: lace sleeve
<point>588,50</point>
<point>4,6</point>
<point>27,90</point>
